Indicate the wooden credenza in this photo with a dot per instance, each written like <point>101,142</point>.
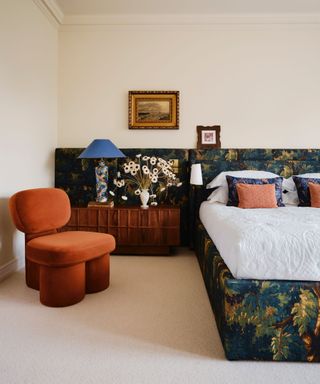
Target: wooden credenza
<point>137,231</point>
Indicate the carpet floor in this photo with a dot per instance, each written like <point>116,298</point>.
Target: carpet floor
<point>154,324</point>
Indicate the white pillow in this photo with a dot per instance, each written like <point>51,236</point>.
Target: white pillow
<point>290,198</point>
<point>219,195</point>
<point>289,184</point>
<point>221,181</point>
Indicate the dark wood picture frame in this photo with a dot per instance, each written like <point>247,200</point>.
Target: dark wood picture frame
<point>208,137</point>
<point>153,109</point>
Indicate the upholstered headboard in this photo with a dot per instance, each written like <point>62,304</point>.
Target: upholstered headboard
<point>284,162</point>
<point>77,178</point>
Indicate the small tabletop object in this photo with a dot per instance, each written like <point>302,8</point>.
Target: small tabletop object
<point>96,204</point>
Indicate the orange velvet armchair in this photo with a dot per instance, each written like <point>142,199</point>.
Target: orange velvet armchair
<point>63,266</point>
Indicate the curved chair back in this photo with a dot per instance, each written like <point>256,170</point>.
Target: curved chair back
<point>40,210</point>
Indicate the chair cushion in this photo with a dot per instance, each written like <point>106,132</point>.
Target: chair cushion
<point>67,248</point>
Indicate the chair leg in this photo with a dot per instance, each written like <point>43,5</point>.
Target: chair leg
<point>97,274</point>
<point>62,286</point>
<point>32,274</point>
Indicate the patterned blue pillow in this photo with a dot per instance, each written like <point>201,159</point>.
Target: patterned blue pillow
<point>303,189</point>
<point>232,181</point>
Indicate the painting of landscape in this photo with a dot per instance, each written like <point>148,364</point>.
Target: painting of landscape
<point>153,111</point>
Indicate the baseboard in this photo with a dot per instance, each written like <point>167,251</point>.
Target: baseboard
<point>10,267</point>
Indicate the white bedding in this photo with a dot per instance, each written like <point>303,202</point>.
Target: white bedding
<point>277,243</point>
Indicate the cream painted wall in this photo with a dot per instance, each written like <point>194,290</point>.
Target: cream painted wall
<point>28,111</point>
<point>260,82</point>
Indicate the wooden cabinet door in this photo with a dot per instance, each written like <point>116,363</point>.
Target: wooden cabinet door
<point>135,229</point>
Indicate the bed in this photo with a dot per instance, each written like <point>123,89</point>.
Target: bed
<point>258,319</point>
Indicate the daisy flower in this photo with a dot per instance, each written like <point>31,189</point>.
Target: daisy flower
<point>146,170</point>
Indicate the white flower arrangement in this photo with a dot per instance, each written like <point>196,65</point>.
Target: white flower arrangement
<point>152,173</point>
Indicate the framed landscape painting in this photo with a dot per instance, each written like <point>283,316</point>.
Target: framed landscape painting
<point>153,109</point>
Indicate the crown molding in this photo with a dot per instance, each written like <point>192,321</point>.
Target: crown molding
<point>51,10</point>
<point>54,13</point>
<point>76,20</point>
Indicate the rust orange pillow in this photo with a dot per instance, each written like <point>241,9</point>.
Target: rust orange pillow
<point>257,196</point>
<point>314,190</point>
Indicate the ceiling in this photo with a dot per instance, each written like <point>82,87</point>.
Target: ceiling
<point>187,7</point>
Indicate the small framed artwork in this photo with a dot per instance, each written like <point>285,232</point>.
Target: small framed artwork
<point>153,109</point>
<point>208,137</point>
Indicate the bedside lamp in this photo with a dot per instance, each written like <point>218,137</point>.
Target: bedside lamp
<point>195,179</point>
<point>196,175</point>
<point>100,149</point>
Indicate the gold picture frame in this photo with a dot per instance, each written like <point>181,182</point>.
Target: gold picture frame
<point>153,109</point>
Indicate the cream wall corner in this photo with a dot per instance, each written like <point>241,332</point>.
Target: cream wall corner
<point>28,112</point>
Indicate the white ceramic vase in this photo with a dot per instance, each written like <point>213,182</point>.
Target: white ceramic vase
<point>144,197</point>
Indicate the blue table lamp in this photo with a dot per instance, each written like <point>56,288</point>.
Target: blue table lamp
<point>100,149</point>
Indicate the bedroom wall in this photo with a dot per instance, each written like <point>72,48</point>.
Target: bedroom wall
<point>260,82</point>
<point>28,113</point>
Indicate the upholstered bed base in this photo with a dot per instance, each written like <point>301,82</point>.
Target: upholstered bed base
<point>256,319</point>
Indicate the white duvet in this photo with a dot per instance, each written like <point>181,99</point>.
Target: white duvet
<point>277,243</point>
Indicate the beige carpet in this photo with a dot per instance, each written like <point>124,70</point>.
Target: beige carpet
<point>153,325</point>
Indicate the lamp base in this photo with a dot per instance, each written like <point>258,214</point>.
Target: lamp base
<point>101,182</point>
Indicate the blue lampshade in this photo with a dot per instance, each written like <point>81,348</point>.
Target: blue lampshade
<point>101,148</point>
